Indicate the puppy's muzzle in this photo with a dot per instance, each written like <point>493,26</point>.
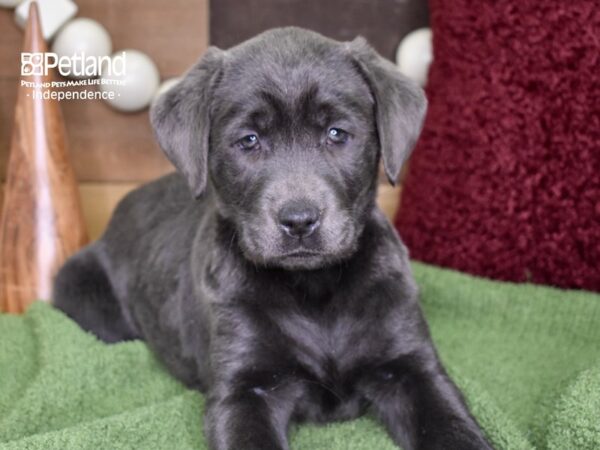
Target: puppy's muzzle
<point>299,218</point>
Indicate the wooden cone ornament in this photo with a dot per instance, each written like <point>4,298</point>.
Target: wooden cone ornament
<point>41,223</point>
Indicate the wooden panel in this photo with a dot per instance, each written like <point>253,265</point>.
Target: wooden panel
<point>10,46</point>
<point>107,145</point>
<point>388,199</point>
<point>383,22</point>
<point>99,200</point>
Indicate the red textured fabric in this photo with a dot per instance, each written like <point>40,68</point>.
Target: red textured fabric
<point>505,180</point>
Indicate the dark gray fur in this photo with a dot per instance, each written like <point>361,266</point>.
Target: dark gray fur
<point>273,327</point>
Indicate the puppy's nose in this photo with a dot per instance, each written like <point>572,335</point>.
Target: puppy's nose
<point>298,218</point>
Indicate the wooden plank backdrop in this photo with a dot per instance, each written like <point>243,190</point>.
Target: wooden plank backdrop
<point>107,145</point>
<point>99,200</point>
<point>382,22</point>
<point>113,152</point>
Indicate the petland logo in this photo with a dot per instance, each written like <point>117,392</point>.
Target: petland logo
<point>77,66</point>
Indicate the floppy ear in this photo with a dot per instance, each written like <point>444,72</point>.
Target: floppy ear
<point>400,106</point>
<point>181,120</point>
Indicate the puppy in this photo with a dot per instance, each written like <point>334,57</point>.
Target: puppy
<point>263,273</point>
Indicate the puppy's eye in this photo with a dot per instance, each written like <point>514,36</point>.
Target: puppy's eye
<point>337,136</point>
<point>249,142</point>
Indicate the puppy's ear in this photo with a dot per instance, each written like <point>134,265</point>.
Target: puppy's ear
<point>400,106</point>
<point>181,119</point>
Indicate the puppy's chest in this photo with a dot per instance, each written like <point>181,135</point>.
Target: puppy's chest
<point>330,358</point>
<point>326,343</point>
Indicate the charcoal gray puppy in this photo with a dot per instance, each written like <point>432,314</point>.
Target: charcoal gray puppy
<point>263,273</point>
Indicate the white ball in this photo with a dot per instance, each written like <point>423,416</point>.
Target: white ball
<point>140,81</point>
<point>82,36</point>
<point>53,14</point>
<point>414,55</point>
<point>165,86</point>
<point>9,3</point>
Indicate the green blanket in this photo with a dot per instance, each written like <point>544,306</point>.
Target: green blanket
<point>527,358</point>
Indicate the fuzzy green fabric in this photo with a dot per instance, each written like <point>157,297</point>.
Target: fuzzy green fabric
<point>526,357</point>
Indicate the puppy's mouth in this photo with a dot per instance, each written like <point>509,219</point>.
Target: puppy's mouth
<point>267,246</point>
<point>301,253</point>
<point>302,259</point>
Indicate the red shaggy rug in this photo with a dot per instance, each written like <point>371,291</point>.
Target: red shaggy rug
<point>505,180</point>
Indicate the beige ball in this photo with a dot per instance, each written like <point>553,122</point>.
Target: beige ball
<point>82,36</point>
<point>9,3</point>
<point>415,54</point>
<point>137,84</point>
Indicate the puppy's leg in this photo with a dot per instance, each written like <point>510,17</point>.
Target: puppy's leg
<point>83,291</point>
<point>249,418</point>
<point>422,409</point>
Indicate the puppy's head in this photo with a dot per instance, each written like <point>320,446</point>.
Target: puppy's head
<point>288,129</point>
